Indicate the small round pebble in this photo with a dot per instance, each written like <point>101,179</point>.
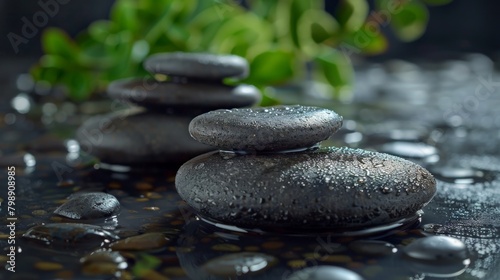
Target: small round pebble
<point>199,96</point>
<point>324,273</point>
<point>147,241</point>
<point>91,205</point>
<point>103,262</point>
<point>237,264</point>
<point>203,66</point>
<point>438,249</point>
<point>48,266</point>
<point>275,128</point>
<point>324,188</point>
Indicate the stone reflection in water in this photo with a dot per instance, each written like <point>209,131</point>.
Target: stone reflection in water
<point>373,247</point>
<point>73,237</point>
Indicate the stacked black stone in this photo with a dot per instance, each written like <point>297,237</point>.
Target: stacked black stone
<point>156,131</point>
<point>270,173</point>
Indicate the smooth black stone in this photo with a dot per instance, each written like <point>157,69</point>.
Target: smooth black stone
<point>203,66</point>
<point>204,96</point>
<point>265,129</point>
<point>321,189</point>
<point>137,137</point>
<point>92,205</point>
<point>437,249</point>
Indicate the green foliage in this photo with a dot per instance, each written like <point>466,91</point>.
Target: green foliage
<point>144,263</point>
<point>278,37</point>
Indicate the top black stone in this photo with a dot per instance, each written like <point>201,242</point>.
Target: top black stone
<point>201,66</point>
<point>276,128</point>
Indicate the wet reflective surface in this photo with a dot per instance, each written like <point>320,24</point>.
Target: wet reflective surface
<point>443,116</point>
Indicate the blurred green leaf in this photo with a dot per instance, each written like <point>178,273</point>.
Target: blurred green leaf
<point>268,100</point>
<point>48,74</point>
<point>410,23</point>
<point>264,8</point>
<point>314,28</point>
<point>366,40</point>
<point>238,34</point>
<point>336,69</point>
<point>123,14</point>
<point>56,41</point>
<point>144,263</point>
<point>297,9</point>
<point>437,2</point>
<point>79,84</point>
<point>351,14</point>
<point>271,67</point>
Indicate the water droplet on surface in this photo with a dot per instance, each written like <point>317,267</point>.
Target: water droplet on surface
<point>324,272</point>
<point>411,150</point>
<point>458,175</point>
<point>237,264</point>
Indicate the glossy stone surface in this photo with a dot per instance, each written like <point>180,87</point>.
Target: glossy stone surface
<point>138,137</point>
<point>92,205</point>
<point>204,96</point>
<point>325,188</point>
<point>202,66</point>
<point>265,129</point>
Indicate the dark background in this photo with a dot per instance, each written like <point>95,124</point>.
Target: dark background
<point>461,26</point>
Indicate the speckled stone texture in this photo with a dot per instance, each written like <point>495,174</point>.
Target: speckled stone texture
<point>203,66</point>
<point>265,129</point>
<point>203,96</point>
<point>325,188</point>
<point>139,137</point>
